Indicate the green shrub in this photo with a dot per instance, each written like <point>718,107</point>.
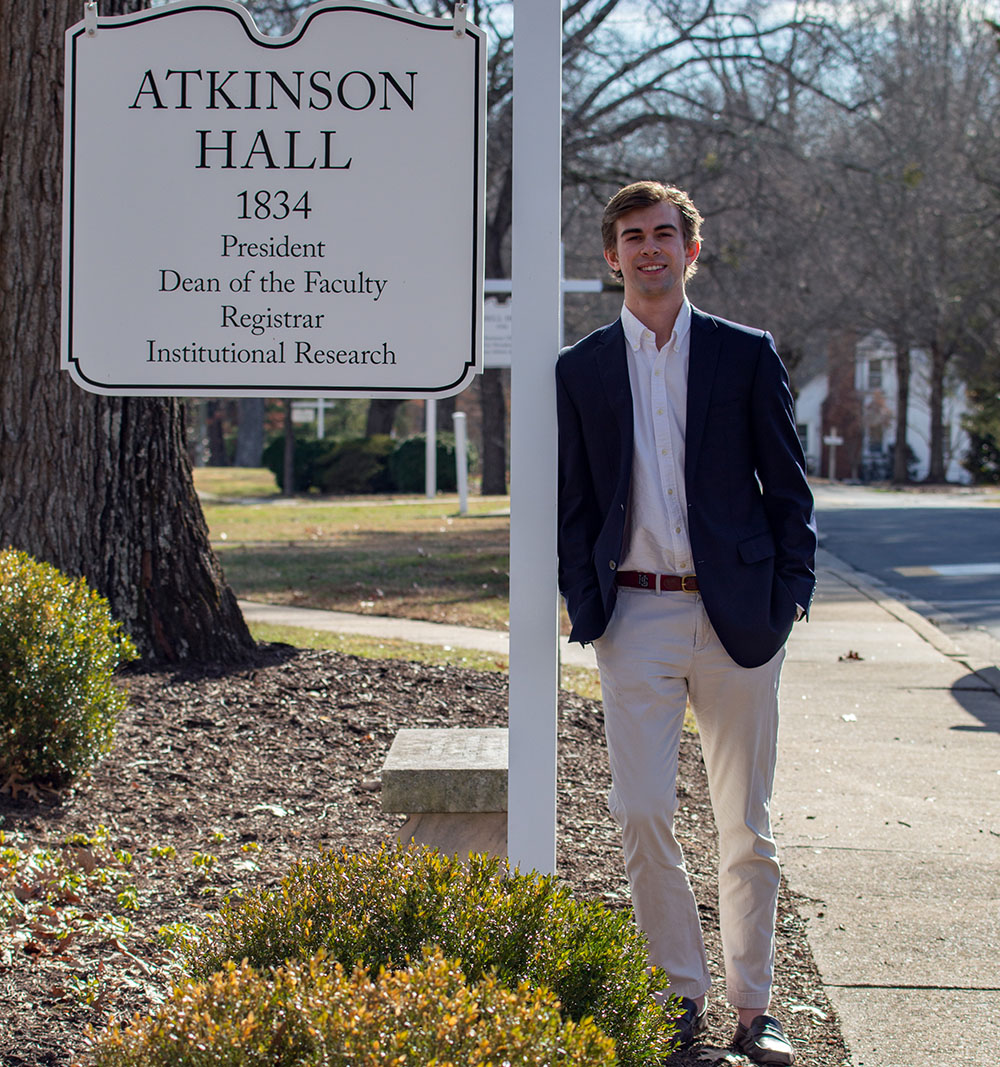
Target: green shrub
<point>408,464</point>
<point>357,465</point>
<point>376,464</point>
<point>982,460</point>
<point>383,908</point>
<point>982,424</point>
<point>308,454</point>
<point>311,1013</point>
<point>59,648</point>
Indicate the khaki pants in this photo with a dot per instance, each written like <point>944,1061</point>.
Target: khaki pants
<point>659,650</point>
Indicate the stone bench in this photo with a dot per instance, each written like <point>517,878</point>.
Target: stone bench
<point>452,783</point>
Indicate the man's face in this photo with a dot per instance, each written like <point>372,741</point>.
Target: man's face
<point>650,252</point>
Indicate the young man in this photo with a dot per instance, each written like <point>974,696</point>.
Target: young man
<point>686,552</point>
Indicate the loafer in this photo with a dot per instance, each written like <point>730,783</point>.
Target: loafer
<point>692,1023</point>
<point>764,1041</point>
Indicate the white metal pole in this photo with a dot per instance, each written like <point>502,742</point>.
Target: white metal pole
<point>537,302</point>
<point>430,452</point>
<point>461,462</point>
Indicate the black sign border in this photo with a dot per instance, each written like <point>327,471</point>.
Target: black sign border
<point>469,368</point>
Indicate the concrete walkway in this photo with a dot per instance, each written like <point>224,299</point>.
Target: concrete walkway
<point>887,812</point>
<point>415,630</point>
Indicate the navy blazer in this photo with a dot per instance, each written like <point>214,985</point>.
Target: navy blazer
<point>750,510</point>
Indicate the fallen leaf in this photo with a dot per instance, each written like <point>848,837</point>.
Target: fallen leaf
<point>81,857</point>
<point>796,1008</point>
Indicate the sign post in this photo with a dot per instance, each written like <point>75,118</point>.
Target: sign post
<point>832,440</point>
<point>257,216</point>
<point>536,303</point>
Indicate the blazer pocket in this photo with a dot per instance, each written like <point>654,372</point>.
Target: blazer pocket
<point>754,549</point>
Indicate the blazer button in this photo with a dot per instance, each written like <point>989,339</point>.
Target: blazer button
<point>612,564</point>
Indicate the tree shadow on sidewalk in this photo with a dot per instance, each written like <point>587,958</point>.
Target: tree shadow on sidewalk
<point>979,694</point>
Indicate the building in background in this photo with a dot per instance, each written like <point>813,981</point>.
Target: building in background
<point>855,399</point>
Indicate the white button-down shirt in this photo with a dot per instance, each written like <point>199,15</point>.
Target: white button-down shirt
<point>656,537</point>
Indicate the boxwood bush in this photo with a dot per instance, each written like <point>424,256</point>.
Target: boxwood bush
<point>377,464</point>
<point>356,465</point>
<point>59,648</point>
<point>311,1013</point>
<point>408,464</point>
<point>385,907</point>
<point>308,453</point>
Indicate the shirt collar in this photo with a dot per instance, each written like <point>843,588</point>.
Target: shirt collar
<point>634,328</point>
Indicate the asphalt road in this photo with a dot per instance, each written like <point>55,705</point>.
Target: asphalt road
<point>938,551</point>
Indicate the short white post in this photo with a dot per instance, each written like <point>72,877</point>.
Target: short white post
<point>430,450</point>
<point>536,302</point>
<point>320,418</point>
<point>461,462</point>
<point>831,440</point>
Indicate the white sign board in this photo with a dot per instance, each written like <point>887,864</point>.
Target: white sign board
<point>498,325</point>
<point>246,215</point>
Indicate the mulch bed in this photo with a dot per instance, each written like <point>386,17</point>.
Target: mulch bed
<point>259,767</point>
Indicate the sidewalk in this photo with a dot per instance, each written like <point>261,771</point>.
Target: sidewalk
<point>415,630</point>
<point>887,812</point>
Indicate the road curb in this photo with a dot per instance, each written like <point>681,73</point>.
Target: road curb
<point>977,650</point>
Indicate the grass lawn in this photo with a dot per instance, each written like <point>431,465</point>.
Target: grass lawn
<point>406,557</point>
<point>235,482</point>
<point>414,559</point>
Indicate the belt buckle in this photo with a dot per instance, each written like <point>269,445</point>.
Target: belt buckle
<point>684,583</point>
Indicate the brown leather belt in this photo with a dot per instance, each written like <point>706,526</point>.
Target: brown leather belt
<point>664,583</point>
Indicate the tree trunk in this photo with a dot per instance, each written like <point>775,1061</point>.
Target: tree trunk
<point>900,457</point>
<point>494,457</point>
<point>493,402</point>
<point>445,410</point>
<point>288,470</point>
<point>936,473</point>
<point>250,433</point>
<point>381,416</point>
<point>217,454</point>
<point>98,486</point>
<point>197,433</point>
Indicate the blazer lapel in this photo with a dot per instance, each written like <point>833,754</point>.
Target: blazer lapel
<point>612,369</point>
<point>706,341</point>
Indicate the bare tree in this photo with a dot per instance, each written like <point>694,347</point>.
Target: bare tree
<point>668,88</point>
<point>250,432</point>
<point>98,486</point>
<point>912,166</point>
<point>381,416</point>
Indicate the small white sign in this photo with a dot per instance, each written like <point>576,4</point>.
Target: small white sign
<point>246,215</point>
<point>497,322</point>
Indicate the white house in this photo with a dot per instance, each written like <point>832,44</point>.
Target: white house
<point>876,393</point>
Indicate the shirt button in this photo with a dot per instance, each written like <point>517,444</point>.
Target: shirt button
<point>677,529</point>
<point>659,411</point>
<point>670,492</point>
<point>612,564</point>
